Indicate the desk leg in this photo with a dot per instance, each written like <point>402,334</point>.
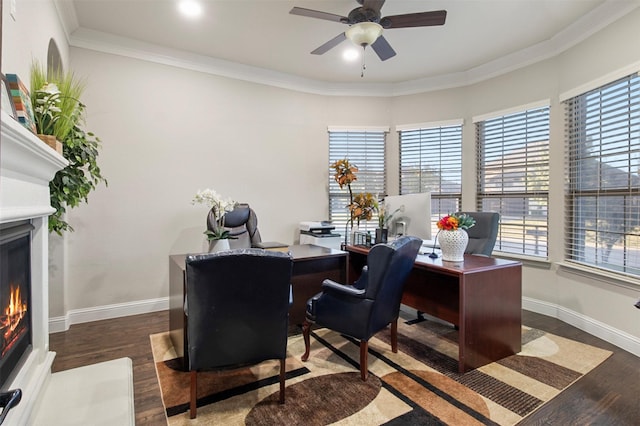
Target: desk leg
<point>490,317</point>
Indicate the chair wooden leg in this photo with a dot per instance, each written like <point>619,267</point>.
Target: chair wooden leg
<point>364,364</point>
<point>306,330</point>
<point>394,336</point>
<point>283,372</point>
<point>194,396</point>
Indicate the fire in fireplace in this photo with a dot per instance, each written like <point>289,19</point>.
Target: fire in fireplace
<point>15,295</point>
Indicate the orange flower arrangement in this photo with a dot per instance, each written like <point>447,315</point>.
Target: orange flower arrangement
<point>452,222</point>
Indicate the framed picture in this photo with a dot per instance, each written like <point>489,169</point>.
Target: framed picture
<point>7,99</point>
<point>22,102</point>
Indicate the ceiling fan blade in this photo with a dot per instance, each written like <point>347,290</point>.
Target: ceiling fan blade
<point>420,19</point>
<point>301,11</point>
<point>384,50</point>
<point>373,4</point>
<point>330,44</point>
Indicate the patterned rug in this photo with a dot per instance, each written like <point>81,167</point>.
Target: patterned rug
<point>418,385</point>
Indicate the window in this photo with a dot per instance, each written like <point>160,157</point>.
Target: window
<point>431,161</point>
<point>603,197</point>
<point>365,149</point>
<point>513,177</point>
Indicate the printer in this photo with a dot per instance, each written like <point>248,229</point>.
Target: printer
<point>319,234</point>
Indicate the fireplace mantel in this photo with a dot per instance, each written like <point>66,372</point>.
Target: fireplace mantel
<point>26,166</point>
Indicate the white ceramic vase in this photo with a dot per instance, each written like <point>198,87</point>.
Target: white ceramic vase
<point>453,244</point>
<point>218,245</point>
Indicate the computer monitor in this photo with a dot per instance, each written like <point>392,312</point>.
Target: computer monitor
<point>415,220</point>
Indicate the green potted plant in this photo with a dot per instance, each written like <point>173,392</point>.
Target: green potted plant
<point>55,104</point>
<point>60,114</point>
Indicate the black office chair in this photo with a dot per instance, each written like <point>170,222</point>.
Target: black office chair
<point>242,224</point>
<point>371,303</point>
<point>483,235</point>
<point>237,311</point>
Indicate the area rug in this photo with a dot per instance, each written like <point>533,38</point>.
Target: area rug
<point>417,385</point>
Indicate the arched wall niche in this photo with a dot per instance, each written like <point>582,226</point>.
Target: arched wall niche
<point>54,60</point>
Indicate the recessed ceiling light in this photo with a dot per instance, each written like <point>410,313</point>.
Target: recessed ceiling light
<point>351,54</point>
<point>190,8</point>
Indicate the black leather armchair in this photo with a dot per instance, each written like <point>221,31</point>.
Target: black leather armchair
<point>482,236</point>
<point>242,223</point>
<point>237,311</point>
<point>371,303</point>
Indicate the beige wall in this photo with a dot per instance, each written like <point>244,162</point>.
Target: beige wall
<point>168,132</point>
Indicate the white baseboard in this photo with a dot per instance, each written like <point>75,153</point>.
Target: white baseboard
<point>603,331</point>
<point>97,313</point>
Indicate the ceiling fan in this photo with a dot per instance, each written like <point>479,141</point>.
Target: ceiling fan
<point>366,25</point>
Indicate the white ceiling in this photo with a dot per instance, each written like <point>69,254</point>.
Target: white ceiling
<point>259,40</point>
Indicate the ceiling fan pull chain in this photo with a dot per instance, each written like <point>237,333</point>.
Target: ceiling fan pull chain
<point>364,66</point>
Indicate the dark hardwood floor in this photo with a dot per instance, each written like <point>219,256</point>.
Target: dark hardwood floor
<point>609,395</point>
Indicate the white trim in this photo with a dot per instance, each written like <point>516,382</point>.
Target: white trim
<point>372,129</point>
<point>429,125</point>
<point>596,328</point>
<point>97,313</point>
<point>603,331</point>
<point>588,25</point>
<point>601,81</point>
<point>589,325</point>
<point>512,110</point>
<point>621,280</point>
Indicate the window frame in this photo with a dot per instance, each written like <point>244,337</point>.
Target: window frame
<point>594,120</point>
<point>445,139</point>
<point>517,142</point>
<point>366,148</point>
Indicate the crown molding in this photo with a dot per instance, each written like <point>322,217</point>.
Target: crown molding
<point>596,20</point>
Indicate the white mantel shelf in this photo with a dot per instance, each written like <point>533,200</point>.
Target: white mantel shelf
<point>27,165</point>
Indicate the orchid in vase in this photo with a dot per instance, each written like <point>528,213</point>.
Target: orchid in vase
<point>218,207</point>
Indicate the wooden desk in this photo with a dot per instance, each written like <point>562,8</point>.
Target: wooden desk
<point>482,296</point>
<point>311,265</point>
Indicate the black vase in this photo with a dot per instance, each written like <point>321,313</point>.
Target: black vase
<point>381,235</point>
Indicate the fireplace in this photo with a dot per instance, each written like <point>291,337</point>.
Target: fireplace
<point>15,295</point>
<point>26,167</point>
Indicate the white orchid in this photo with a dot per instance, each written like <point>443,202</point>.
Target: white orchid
<point>219,206</point>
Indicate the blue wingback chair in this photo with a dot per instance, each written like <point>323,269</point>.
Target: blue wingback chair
<point>371,303</point>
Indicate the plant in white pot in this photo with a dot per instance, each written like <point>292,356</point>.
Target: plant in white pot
<point>453,235</point>
<point>219,236</point>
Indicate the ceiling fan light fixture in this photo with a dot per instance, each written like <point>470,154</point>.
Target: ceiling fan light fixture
<point>364,33</point>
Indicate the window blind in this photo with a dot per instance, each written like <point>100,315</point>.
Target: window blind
<point>431,161</point>
<point>603,192</point>
<point>365,149</point>
<point>513,178</point>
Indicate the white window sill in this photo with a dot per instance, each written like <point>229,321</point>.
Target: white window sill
<point>533,261</point>
<point>620,280</point>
